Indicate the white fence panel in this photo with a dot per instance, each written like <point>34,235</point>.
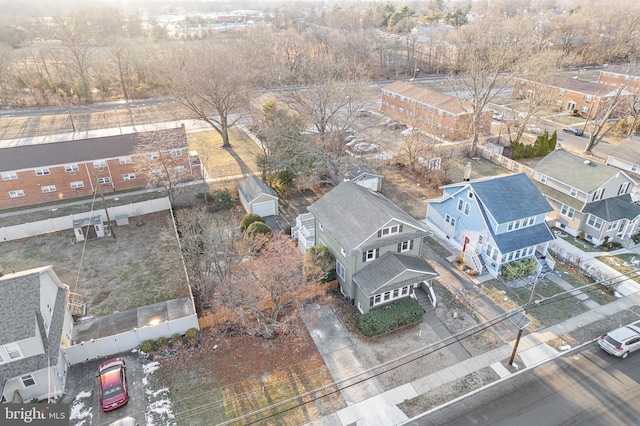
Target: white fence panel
<point>31,229</point>
<point>154,332</point>
<point>105,346</point>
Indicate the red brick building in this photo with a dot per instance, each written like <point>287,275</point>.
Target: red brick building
<point>434,113</point>
<point>566,94</point>
<point>33,173</point>
<point>625,76</point>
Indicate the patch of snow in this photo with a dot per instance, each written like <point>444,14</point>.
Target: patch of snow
<point>150,367</point>
<point>156,393</point>
<point>163,409</point>
<point>79,409</point>
<point>565,347</point>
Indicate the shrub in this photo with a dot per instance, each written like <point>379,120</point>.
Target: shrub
<point>223,199</point>
<point>543,145</point>
<point>192,333</point>
<point>162,342</point>
<point>318,264</point>
<point>581,235</point>
<point>148,346</point>
<point>248,219</point>
<point>258,228</point>
<point>519,268</point>
<point>390,317</point>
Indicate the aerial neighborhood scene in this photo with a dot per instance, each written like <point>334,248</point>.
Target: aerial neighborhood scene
<point>319,213</point>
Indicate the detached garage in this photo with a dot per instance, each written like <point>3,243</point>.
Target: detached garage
<point>256,196</point>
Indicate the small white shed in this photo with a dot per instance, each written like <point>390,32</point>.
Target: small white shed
<point>88,228</point>
<point>364,176</point>
<point>256,196</point>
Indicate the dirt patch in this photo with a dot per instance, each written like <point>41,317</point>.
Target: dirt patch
<point>230,376</point>
<point>140,267</point>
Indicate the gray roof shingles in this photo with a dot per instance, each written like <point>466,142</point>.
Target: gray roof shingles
<point>351,214</point>
<point>83,150</point>
<point>373,278</point>
<point>612,209</point>
<point>252,187</point>
<point>576,171</point>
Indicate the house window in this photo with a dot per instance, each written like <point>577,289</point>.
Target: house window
<point>588,98</point>
<point>42,172</point>
<point>562,91</point>
<point>405,246</point>
<point>125,160</point>
<point>440,112</point>
<point>77,184</point>
<point>100,164</point>
<point>152,156</point>
<point>176,153</point>
<point>49,188</point>
<point>129,176</point>
<point>623,188</point>
<point>543,179</point>
<point>13,351</point>
<point>395,229</point>
<point>464,207</point>
<point>104,180</point>
<point>634,168</point>
<point>594,222</point>
<point>27,380</point>
<point>387,296</point>
<point>598,194</point>
<point>612,225</point>
<point>451,221</point>
<point>584,109</point>
<point>396,293</point>
<point>574,192</point>
<point>178,169</point>
<point>377,299</point>
<point>9,176</point>
<point>71,168</point>
<point>340,269</point>
<point>567,211</point>
<point>370,255</point>
<point>516,224</point>
<point>17,193</point>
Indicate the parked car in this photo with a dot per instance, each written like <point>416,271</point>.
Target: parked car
<point>576,131</point>
<point>621,341</point>
<point>497,115</point>
<point>410,131</point>
<point>532,128</point>
<point>394,125</point>
<point>113,384</point>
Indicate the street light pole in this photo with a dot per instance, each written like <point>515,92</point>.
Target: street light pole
<point>526,311</point>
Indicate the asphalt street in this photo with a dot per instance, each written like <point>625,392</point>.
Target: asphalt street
<point>586,386</point>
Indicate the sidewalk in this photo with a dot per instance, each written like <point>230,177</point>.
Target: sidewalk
<point>382,409</point>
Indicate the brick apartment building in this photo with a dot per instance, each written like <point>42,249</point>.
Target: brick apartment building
<point>434,113</point>
<point>626,76</point>
<point>566,94</point>
<point>36,171</point>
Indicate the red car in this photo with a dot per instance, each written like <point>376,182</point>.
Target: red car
<point>113,384</point>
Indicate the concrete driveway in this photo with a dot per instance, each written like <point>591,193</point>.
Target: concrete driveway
<point>82,392</point>
<point>338,350</point>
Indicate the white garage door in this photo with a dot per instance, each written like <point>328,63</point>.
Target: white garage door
<point>265,209</point>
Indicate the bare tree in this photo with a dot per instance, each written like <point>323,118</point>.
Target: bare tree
<point>264,287</point>
<point>608,105</point>
<point>489,55</point>
<point>211,247</point>
<point>211,80</point>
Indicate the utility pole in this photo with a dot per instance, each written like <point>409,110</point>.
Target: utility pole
<point>104,205</point>
<point>526,311</point>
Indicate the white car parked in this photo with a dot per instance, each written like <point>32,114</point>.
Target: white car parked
<point>621,341</point>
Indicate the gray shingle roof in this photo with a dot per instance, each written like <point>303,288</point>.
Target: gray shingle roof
<point>351,214</point>
<point>524,237</point>
<point>572,170</point>
<point>19,321</point>
<point>425,96</point>
<point>510,197</point>
<point>628,150</point>
<point>375,277</point>
<point>252,187</point>
<point>560,197</point>
<point>82,150</point>
<point>612,209</point>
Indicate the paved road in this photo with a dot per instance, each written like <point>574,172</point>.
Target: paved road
<point>584,387</point>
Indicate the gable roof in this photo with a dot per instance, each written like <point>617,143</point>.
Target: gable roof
<point>352,213</point>
<point>424,96</point>
<point>362,172</point>
<point>386,273</point>
<point>612,209</point>
<point>628,150</point>
<point>502,197</point>
<point>252,187</point>
<point>523,237</point>
<point>28,156</point>
<point>19,319</point>
<point>578,172</point>
<point>630,70</point>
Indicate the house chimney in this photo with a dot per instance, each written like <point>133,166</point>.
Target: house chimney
<point>467,172</point>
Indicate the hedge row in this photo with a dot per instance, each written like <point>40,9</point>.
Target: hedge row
<point>390,317</point>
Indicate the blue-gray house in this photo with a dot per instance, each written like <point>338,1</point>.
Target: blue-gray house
<point>493,221</point>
